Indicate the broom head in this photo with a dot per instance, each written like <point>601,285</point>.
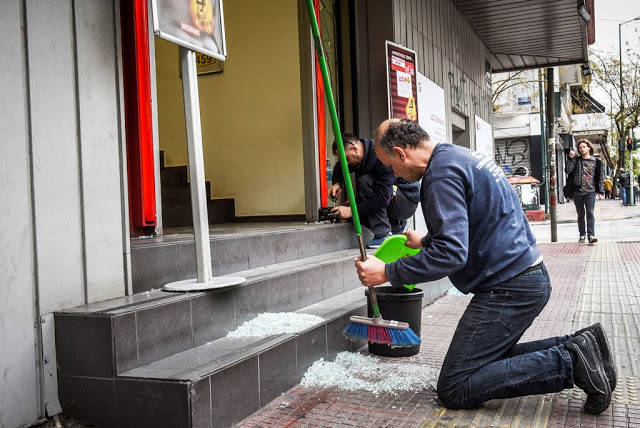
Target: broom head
<point>378,330</point>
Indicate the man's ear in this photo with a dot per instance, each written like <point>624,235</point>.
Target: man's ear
<point>400,152</point>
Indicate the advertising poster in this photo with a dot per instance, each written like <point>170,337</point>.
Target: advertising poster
<point>484,138</point>
<point>402,87</point>
<point>431,116</point>
<point>194,24</point>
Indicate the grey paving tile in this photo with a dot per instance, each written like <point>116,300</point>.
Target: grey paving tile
<point>286,246</point>
<point>150,403</point>
<point>201,404</point>
<point>327,239</point>
<point>310,286</point>
<point>232,255</point>
<point>126,342</point>
<point>277,371</point>
<point>310,346</point>
<point>336,341</point>
<point>186,267</point>
<point>91,400</point>
<point>283,293</point>
<point>250,300</point>
<point>332,282</point>
<point>153,266</point>
<point>345,235</point>
<point>214,259</point>
<point>308,243</point>
<point>197,363</point>
<point>227,408</point>
<point>213,315</point>
<point>164,330</point>
<point>84,345</point>
<point>350,275</point>
<point>335,238</point>
<point>262,250</point>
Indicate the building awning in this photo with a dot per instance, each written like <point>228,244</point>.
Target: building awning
<point>524,34</point>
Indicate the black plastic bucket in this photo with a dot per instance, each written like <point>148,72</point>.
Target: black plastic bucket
<point>399,304</point>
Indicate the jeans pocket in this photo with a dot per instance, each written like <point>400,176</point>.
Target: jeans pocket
<point>496,307</point>
<point>503,303</point>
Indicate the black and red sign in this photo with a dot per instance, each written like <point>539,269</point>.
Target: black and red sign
<point>194,24</point>
<point>402,84</point>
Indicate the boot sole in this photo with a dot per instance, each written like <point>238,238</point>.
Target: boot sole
<point>605,350</point>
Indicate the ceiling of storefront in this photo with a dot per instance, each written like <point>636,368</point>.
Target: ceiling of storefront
<point>525,34</point>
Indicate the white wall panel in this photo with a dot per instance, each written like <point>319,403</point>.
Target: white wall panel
<point>18,391</point>
<point>55,154</point>
<point>99,137</point>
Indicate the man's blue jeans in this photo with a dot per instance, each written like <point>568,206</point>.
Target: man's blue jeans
<point>484,360</point>
<point>585,203</point>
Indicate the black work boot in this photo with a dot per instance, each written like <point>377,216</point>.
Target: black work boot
<point>605,350</point>
<point>588,372</point>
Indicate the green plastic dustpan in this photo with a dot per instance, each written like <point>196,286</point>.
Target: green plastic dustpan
<point>393,248</point>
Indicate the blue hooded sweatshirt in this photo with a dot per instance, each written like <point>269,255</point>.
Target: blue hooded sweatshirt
<point>478,232</point>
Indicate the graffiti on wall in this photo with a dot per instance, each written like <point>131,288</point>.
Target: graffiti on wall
<point>512,154</point>
<point>457,90</point>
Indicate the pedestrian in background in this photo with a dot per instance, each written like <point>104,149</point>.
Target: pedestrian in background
<point>624,179</point>
<point>588,181</point>
<point>608,186</point>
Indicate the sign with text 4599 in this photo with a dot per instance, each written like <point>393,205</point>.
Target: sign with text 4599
<point>208,64</point>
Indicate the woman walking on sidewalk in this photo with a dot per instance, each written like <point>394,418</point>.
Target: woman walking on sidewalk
<point>588,180</point>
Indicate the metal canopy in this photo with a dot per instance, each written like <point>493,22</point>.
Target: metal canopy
<point>525,34</point>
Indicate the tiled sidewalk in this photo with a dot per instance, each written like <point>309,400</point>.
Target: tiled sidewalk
<point>590,283</point>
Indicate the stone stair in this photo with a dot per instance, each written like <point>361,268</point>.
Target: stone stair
<point>157,359</point>
<point>163,359</point>
<point>176,199</point>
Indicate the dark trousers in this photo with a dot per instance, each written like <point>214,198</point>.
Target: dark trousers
<point>400,208</point>
<point>484,360</point>
<point>585,205</point>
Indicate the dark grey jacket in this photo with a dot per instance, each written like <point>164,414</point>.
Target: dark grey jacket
<point>575,163</point>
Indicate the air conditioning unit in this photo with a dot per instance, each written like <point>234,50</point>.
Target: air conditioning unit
<point>570,74</point>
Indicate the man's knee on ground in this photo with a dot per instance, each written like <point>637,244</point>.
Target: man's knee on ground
<point>452,397</point>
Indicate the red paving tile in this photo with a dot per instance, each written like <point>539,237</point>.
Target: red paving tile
<point>567,263</point>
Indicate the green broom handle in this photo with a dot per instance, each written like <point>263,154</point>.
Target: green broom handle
<point>341,155</point>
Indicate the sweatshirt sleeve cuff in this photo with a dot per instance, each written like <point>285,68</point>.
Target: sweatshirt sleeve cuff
<point>392,274</point>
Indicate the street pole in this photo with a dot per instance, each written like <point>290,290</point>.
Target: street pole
<point>622,130</point>
<point>553,196</point>
<point>621,147</point>
<point>543,139</point>
<point>632,200</point>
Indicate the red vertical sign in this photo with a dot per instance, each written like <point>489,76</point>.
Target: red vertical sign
<point>137,94</point>
<point>402,86</point>
<point>322,151</point>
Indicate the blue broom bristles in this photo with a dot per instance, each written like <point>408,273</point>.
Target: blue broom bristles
<point>376,334</point>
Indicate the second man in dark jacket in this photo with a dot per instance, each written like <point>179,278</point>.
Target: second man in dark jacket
<point>384,202</point>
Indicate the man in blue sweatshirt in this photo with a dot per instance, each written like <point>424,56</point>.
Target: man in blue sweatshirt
<point>384,201</point>
<point>479,237</point>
